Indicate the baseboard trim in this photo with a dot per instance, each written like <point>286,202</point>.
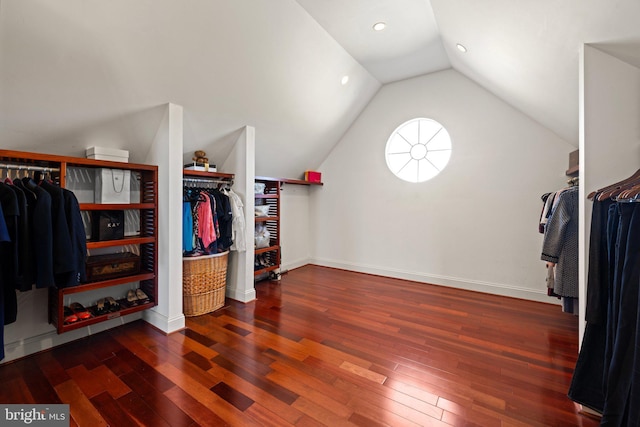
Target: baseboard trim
<point>238,295</point>
<point>17,349</point>
<point>295,264</point>
<point>163,323</point>
<point>435,279</point>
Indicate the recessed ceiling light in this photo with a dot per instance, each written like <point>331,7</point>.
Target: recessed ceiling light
<point>461,48</point>
<point>379,26</point>
<point>344,80</point>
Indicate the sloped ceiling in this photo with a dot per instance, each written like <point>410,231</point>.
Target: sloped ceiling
<point>409,45</point>
<point>78,73</point>
<point>527,52</point>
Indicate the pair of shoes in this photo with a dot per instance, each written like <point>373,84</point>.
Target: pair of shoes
<point>262,260</point>
<point>101,307</point>
<point>106,305</point>
<point>79,310</point>
<point>69,316</point>
<point>137,297</point>
<point>112,304</point>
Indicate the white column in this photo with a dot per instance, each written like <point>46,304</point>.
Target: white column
<point>240,280</point>
<point>166,152</point>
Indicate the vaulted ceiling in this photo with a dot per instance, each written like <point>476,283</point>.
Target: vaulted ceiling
<point>78,73</point>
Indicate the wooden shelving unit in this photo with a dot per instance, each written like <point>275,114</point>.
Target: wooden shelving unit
<point>146,240</point>
<point>268,259</point>
<point>273,253</point>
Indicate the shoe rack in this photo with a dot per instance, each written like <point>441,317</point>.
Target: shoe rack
<point>144,241</point>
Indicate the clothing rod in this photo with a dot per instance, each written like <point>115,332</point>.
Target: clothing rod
<point>208,180</point>
<point>28,168</point>
<point>628,200</point>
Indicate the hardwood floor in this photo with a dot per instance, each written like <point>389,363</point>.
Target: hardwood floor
<point>322,347</point>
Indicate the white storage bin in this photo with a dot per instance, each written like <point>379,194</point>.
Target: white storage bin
<point>104,153</point>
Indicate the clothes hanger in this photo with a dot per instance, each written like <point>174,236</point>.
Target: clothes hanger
<point>617,192</point>
<point>7,179</point>
<point>630,194</point>
<point>606,192</point>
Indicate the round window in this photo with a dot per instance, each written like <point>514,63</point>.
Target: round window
<point>418,150</point>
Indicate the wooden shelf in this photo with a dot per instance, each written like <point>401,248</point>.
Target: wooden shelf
<point>287,180</point>
<point>66,327</point>
<point>107,283</point>
<point>574,170</point>
<point>115,206</point>
<point>120,242</point>
<point>265,270</point>
<point>267,218</point>
<point>267,249</point>
<point>266,196</point>
<point>203,174</point>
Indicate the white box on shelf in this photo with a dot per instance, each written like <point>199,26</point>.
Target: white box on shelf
<point>104,153</point>
<point>200,168</point>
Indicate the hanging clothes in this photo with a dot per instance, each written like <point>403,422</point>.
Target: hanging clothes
<point>7,268</point>
<point>238,235</point>
<point>78,238</point>
<point>63,263</point>
<point>42,240</point>
<point>25,242</point>
<point>224,217</point>
<point>4,286</point>
<point>11,214</point>
<point>42,233</point>
<point>548,199</point>
<point>607,373</point>
<point>25,277</point>
<point>206,230</point>
<point>560,244</point>
<point>187,227</point>
<point>197,244</point>
<point>206,221</point>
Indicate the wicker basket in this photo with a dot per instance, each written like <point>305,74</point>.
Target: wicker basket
<point>204,281</point>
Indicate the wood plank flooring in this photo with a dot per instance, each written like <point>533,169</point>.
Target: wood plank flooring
<point>322,347</point>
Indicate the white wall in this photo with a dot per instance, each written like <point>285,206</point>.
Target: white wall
<point>610,139</point>
<point>295,227</point>
<point>474,226</point>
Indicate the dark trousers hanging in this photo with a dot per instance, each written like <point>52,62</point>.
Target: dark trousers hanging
<point>623,314</point>
<point>587,381</point>
<point>634,398</point>
<point>598,275</point>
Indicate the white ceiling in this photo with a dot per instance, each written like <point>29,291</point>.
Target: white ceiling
<point>523,51</point>
<point>409,46</point>
<point>527,52</point>
<point>77,73</point>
